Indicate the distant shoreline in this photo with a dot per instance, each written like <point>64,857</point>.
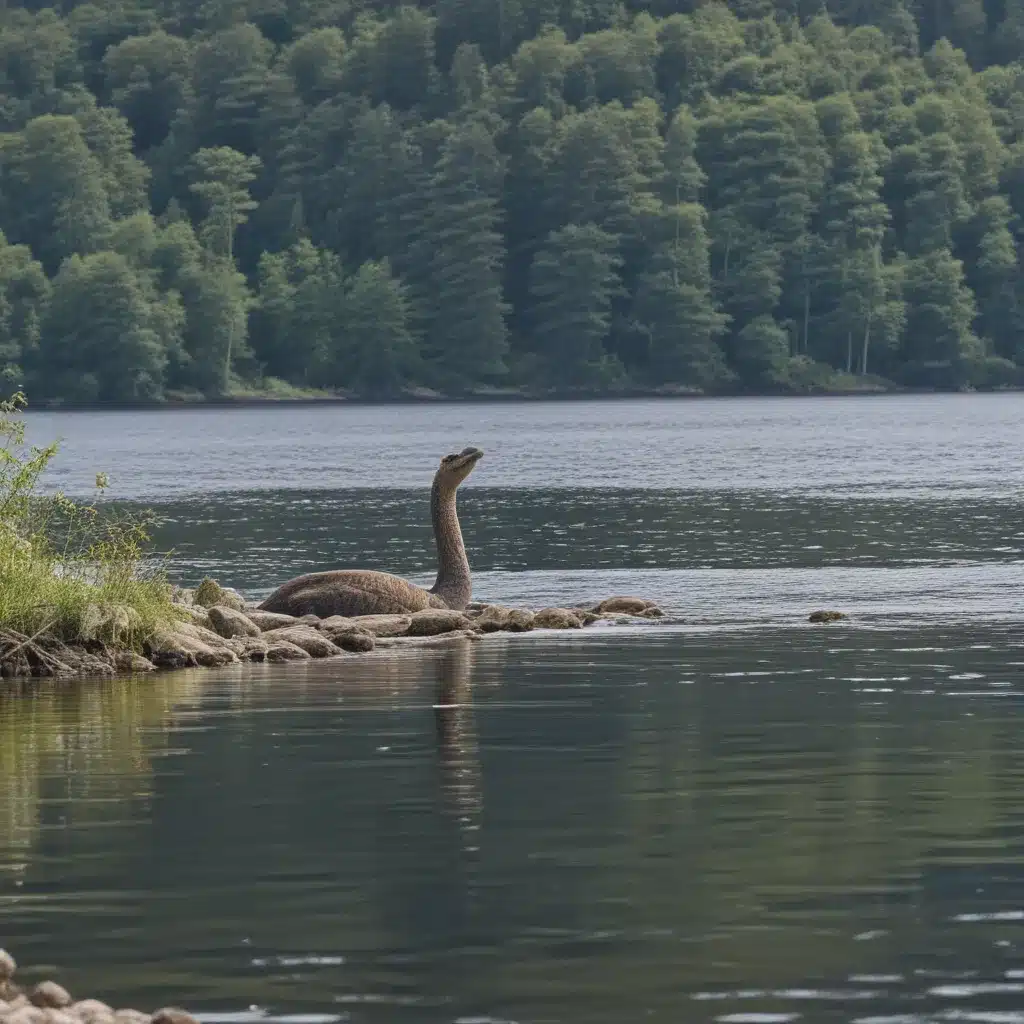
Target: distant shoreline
<point>252,401</point>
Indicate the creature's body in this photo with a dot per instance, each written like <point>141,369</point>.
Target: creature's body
<point>367,592</point>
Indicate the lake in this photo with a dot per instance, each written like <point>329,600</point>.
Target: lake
<point>728,815</point>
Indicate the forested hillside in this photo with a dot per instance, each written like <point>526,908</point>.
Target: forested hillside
<point>214,197</point>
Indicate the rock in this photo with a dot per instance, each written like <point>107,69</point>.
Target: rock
<point>89,1010</point>
<point>557,618</point>
<point>271,620</point>
<point>347,635</point>
<point>311,640</point>
<point>435,621</point>
<point>284,650</point>
<point>249,648</point>
<point>7,965</point>
<point>587,617</point>
<point>131,1017</point>
<point>187,646</point>
<point>826,616</point>
<point>172,1015</point>
<point>50,994</point>
<point>198,615</point>
<point>183,596</point>
<point>228,622</point>
<point>630,606</point>
<point>382,625</point>
<point>65,1017</point>
<point>26,1015</point>
<point>129,661</point>
<point>497,618</point>
<point>210,593</point>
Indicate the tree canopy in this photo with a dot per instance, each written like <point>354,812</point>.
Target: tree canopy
<point>205,199</point>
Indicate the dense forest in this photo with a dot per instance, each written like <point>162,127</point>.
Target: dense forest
<point>203,198</point>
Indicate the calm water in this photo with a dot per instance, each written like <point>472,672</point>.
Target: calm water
<point>726,816</point>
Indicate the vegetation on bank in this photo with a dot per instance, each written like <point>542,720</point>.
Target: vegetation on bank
<point>253,196</point>
<point>69,571</point>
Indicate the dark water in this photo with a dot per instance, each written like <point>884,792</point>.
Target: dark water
<point>727,816</point>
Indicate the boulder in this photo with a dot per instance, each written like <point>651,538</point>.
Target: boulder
<point>129,661</point>
<point>284,650</point>
<point>197,614</point>
<point>270,620</point>
<point>630,606</point>
<point>347,635</point>
<point>186,646</point>
<point>311,640</point>
<point>90,1010</point>
<point>249,648</point>
<point>131,1017</point>
<point>26,1015</point>
<point>498,618</point>
<point>48,994</point>
<point>7,966</point>
<point>435,621</point>
<point>228,622</point>
<point>172,1015</point>
<point>557,618</point>
<point>381,625</point>
<point>825,616</point>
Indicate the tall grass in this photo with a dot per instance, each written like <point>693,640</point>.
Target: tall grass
<point>72,570</point>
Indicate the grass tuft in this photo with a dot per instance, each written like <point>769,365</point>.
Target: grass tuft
<point>71,570</point>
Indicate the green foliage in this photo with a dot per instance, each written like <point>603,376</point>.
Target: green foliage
<point>228,197</point>
<point>74,571</point>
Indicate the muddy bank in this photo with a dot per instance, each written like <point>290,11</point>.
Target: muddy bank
<point>50,1003</point>
<point>215,626</point>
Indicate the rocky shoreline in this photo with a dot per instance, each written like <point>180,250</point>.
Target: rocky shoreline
<point>50,1003</point>
<point>218,627</point>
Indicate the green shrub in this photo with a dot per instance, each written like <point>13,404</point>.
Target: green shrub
<point>72,570</point>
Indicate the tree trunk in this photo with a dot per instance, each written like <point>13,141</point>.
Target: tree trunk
<point>864,348</point>
<point>849,351</point>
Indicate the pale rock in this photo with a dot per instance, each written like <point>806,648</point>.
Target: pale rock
<point>312,641</point>
<point>283,650</point>
<point>229,622</point>
<point>382,625</point>
<point>557,618</point>
<point>435,621</point>
<point>271,620</point>
<point>497,618</point>
<point>50,995</point>
<point>7,965</point>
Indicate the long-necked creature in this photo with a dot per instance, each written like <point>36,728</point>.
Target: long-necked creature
<point>367,592</point>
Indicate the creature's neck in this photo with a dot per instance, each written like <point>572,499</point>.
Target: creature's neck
<point>453,584</point>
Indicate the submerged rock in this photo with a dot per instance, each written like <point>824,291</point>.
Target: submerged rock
<point>434,621</point>
<point>311,640</point>
<point>188,646</point>
<point>347,635</point>
<point>557,618</point>
<point>228,622</point>
<point>129,661</point>
<point>638,606</point>
<point>826,616</point>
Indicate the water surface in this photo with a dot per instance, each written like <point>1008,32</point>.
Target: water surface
<point>729,815</point>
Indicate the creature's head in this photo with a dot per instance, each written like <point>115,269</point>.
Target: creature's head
<point>455,468</point>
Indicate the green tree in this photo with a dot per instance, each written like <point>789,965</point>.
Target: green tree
<point>377,353</point>
<point>221,179</point>
<point>573,280</point>
<point>24,291</point>
<point>106,335</point>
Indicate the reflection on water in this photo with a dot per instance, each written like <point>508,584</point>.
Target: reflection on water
<point>692,826</point>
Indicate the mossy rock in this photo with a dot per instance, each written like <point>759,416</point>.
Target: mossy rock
<point>210,593</point>
<point>826,616</point>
